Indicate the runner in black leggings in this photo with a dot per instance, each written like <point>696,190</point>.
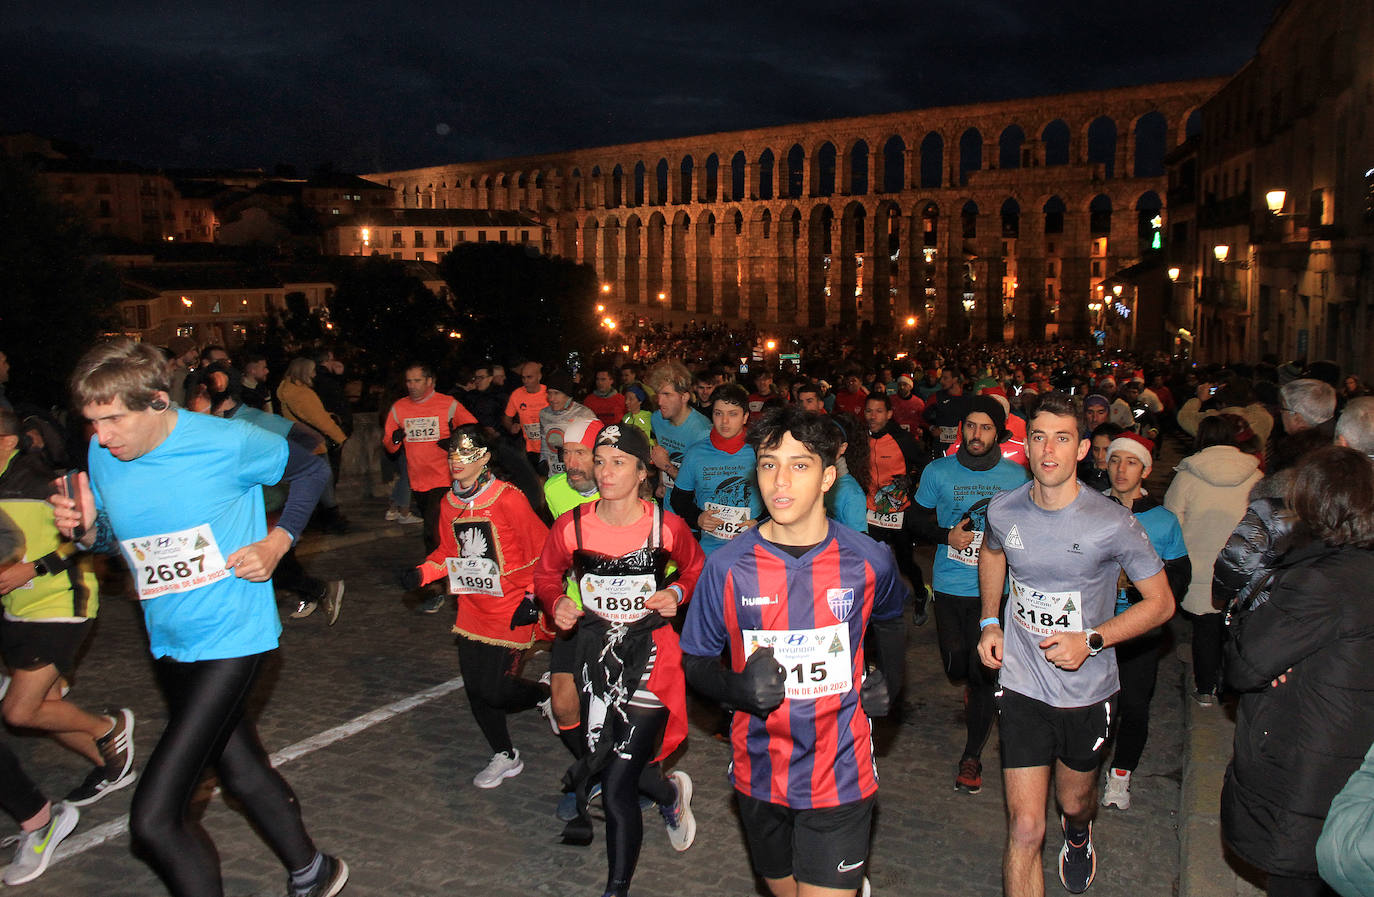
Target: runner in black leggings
<point>179,494</point>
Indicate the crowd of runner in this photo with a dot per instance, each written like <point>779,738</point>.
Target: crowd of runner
<point>746,531</point>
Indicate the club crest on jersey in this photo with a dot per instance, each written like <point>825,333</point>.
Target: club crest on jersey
<point>1013,539</point>
<point>841,602</point>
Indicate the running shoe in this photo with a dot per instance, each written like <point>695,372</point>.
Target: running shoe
<point>408,518</point>
<point>117,747</point>
<point>1118,791</point>
<point>333,600</point>
<point>970,777</point>
<point>1077,861</point>
<point>682,825</point>
<point>1205,698</point>
<point>503,766</point>
<point>433,604</point>
<point>36,848</point>
<point>567,807</point>
<point>918,613</point>
<point>546,705</point>
<point>867,889</point>
<point>393,514</point>
<point>333,877</point>
<point>304,608</point>
<point>96,785</point>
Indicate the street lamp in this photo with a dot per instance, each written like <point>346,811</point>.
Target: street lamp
<point>1221,251</point>
<point>1274,199</point>
<point>1173,275</point>
<point>1116,290</point>
<point>911,321</point>
<point>605,288</point>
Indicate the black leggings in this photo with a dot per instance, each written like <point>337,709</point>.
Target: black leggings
<point>19,796</point>
<point>206,727</point>
<point>624,778</point>
<point>956,618</point>
<point>1138,663</point>
<point>494,690</point>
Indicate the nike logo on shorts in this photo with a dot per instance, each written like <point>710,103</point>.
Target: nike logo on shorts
<point>848,867</point>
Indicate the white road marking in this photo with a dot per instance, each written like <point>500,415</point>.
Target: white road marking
<point>108,831</point>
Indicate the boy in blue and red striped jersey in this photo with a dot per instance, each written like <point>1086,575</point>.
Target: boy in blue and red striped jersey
<point>811,616</point>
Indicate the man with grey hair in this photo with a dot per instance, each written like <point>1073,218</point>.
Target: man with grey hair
<point>1305,404</point>
<point>1355,428</point>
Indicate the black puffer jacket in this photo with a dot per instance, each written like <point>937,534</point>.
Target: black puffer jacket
<point>1241,578</point>
<point>1297,744</point>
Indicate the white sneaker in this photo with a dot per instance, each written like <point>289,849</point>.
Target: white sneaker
<point>1118,791</point>
<point>36,848</point>
<point>407,517</point>
<point>393,514</point>
<point>502,766</point>
<point>546,705</point>
<point>682,825</point>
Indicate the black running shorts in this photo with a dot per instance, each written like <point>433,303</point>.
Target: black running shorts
<point>827,848</point>
<point>1034,733</point>
<point>562,653</point>
<point>34,644</point>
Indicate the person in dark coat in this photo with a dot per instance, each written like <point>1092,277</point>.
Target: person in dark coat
<point>1301,660</point>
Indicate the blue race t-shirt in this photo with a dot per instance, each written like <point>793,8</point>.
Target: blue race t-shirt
<point>723,484</point>
<point>955,492</point>
<point>192,499</point>
<point>1165,535</point>
<point>847,504</point>
<point>676,438</point>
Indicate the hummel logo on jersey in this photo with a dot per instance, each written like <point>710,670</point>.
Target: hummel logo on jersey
<point>1013,539</point>
<point>758,601</point>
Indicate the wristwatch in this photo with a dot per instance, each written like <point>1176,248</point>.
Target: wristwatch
<point>1095,642</point>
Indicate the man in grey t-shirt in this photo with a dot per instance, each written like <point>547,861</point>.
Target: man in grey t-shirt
<point>1059,547</point>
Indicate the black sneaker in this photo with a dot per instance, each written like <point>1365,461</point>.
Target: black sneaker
<point>433,604</point>
<point>333,877</point>
<point>117,747</point>
<point>97,785</point>
<point>1077,861</point>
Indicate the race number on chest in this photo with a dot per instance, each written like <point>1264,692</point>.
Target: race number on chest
<point>817,661</point>
<point>618,599</point>
<point>1045,613</point>
<point>473,575</point>
<point>422,429</point>
<point>175,562</point>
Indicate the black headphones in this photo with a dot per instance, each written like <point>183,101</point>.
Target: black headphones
<point>158,405</point>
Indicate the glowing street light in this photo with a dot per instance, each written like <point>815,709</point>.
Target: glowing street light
<point>1274,199</point>
<point>911,321</point>
<point>1221,251</point>
<point>1173,275</point>
<point>1116,290</point>
<point>770,345</point>
<point>605,288</point>
<point>662,296</point>
<point>600,308</point>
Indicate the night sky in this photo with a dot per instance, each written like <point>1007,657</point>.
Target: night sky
<point>380,86</point>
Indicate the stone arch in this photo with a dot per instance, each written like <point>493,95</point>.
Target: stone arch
<point>787,248</point>
<point>968,216</point>
<point>820,239</point>
<point>661,185</point>
<point>686,180</point>
<point>706,281</point>
<point>893,179</point>
<point>617,197</point>
<point>710,183</point>
<point>1100,215</point>
<point>1009,147</point>
<point>634,260</point>
<point>796,172</point>
<point>1101,139</point>
<point>596,189</point>
<point>757,285</point>
<point>565,235</point>
<point>739,177</point>
<point>637,192</point>
<point>932,160</point>
<point>1147,206</point>
<point>854,227</point>
<point>728,234</point>
<point>610,251</point>
<point>970,153</point>
<point>575,189</point>
<point>1055,141</point>
<point>1011,219</point>
<point>654,239</point>
<point>1190,124</point>
<point>1054,211</point>
<point>767,174</point>
<point>823,165</point>
<point>677,261</point>
<point>857,163</point>
<point>1151,138</point>
<point>887,257</point>
<point>590,235</point>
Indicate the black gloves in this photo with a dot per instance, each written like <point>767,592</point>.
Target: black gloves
<point>758,688</point>
<point>873,694</point>
<point>398,437</point>
<point>409,578</point>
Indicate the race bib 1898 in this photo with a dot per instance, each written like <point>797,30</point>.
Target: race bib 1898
<point>473,576</point>
<point>618,599</point>
<point>422,429</point>
<point>969,556</point>
<point>175,562</point>
<point>1045,613</point>
<point>817,661</point>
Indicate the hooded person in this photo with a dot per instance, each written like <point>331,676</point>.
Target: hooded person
<point>556,417</point>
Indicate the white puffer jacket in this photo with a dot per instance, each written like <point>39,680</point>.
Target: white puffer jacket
<point>1208,495</point>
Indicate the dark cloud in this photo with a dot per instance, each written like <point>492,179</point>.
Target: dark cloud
<point>203,85</point>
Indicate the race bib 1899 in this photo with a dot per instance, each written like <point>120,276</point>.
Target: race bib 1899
<point>473,576</point>
<point>175,562</point>
<point>1045,613</point>
<point>817,661</point>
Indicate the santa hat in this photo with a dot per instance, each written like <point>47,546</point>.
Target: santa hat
<point>1000,395</point>
<point>1133,444</point>
<point>582,431</point>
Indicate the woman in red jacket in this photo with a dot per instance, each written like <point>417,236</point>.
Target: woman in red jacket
<point>489,541</point>
<point>629,664</point>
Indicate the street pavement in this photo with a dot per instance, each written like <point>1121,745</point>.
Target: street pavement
<point>372,731</point>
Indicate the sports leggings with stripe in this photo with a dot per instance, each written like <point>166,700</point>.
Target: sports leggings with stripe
<point>206,727</point>
<point>623,779</point>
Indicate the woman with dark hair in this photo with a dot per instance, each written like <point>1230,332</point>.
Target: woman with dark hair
<point>847,500</point>
<point>1209,496</point>
<point>1301,659</point>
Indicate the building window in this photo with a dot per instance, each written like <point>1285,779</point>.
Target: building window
<point>1097,268</point>
<point>504,236</point>
<point>396,238</point>
<point>419,238</point>
<point>525,236</point>
<point>396,256</point>
<point>440,238</point>
<point>481,236</point>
